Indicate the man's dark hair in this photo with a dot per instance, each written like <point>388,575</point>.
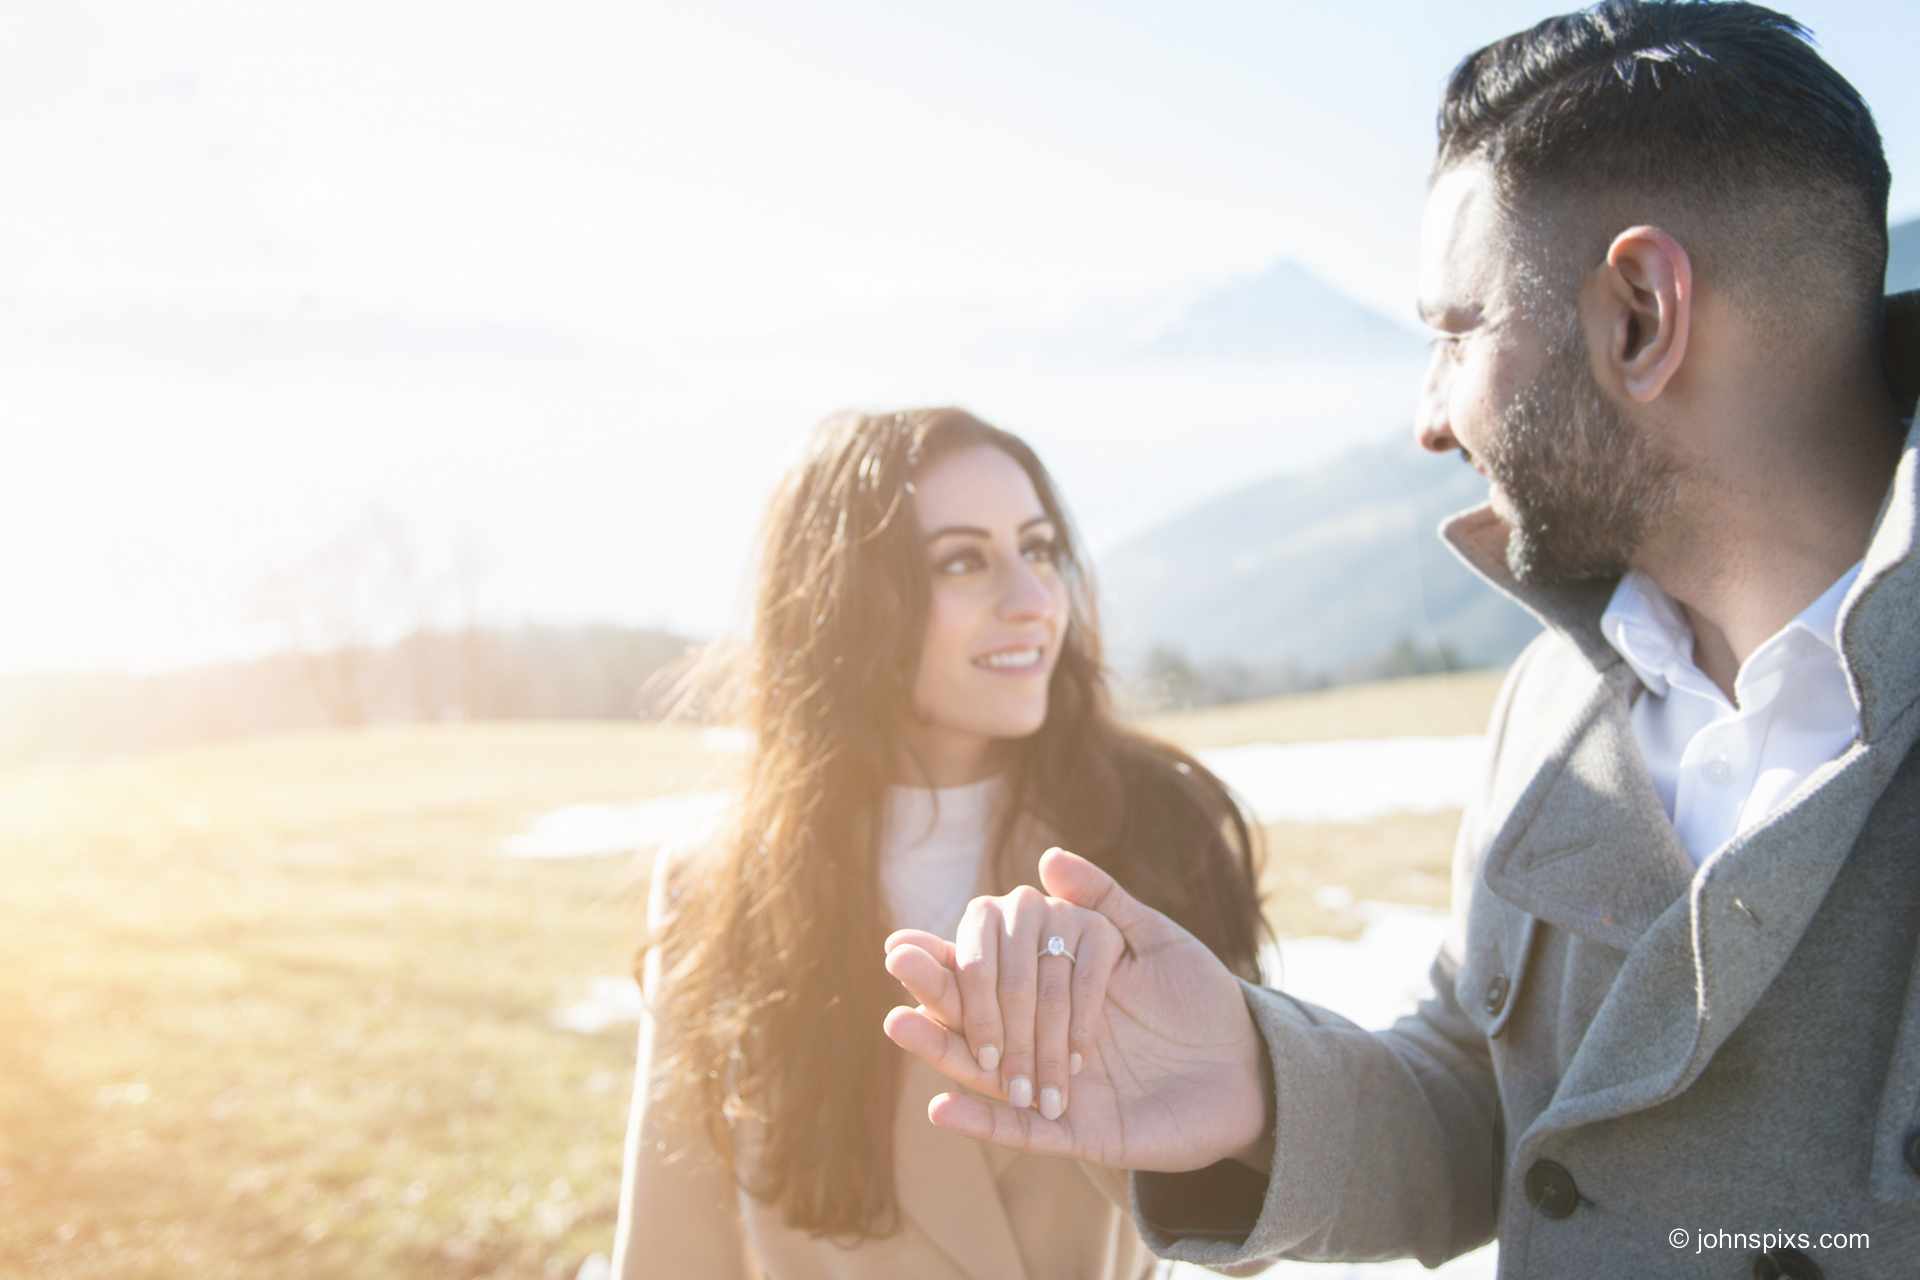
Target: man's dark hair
<point>1724,109</point>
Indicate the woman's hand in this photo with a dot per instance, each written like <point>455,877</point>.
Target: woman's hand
<point>1171,1071</point>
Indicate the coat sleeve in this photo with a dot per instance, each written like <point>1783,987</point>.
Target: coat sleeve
<point>1387,1143</point>
<point>679,1208</point>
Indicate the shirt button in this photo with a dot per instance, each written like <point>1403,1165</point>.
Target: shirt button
<point>1718,771</point>
<point>1497,991</point>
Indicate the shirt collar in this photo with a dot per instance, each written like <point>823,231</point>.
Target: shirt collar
<point>1875,620</point>
<point>1647,628</point>
<point>1821,619</point>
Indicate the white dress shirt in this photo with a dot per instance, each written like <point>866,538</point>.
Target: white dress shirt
<point>1722,768</point>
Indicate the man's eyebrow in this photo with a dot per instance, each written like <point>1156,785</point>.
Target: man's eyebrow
<point>1441,315</point>
<point>975,531</point>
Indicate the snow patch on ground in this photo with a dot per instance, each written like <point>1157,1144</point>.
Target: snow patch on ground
<point>1344,781</point>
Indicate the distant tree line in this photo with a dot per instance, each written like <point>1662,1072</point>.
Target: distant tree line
<point>1169,680</point>
<point>531,672</point>
<point>474,673</point>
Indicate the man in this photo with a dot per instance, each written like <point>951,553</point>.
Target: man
<point>1676,1030</point>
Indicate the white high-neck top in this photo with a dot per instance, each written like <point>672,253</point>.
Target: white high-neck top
<point>932,842</point>
<point>1722,769</point>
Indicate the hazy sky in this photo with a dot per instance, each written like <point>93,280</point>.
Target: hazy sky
<point>560,287</point>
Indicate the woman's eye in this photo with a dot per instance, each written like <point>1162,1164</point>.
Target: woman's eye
<point>1042,551</point>
<point>958,563</point>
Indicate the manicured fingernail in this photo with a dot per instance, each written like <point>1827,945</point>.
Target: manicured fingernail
<point>1020,1092</point>
<point>1074,1063</point>
<point>1050,1103</point>
<point>989,1057</point>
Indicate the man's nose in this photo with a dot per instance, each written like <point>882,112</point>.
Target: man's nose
<point>1431,429</point>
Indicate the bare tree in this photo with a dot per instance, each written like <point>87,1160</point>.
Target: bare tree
<point>342,602</point>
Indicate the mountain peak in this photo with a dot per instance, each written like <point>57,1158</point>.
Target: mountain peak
<point>1285,313</point>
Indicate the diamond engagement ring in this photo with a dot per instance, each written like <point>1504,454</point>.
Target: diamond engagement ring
<point>1057,946</point>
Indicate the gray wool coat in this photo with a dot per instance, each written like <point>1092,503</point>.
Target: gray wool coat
<point>1619,1048</point>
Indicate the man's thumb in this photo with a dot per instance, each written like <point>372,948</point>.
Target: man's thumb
<point>1070,876</point>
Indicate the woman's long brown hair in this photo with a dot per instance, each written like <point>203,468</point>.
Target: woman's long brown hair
<point>772,983</point>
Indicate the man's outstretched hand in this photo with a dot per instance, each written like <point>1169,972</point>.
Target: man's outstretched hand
<point>1139,1053</point>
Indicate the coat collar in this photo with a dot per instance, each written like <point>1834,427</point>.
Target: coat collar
<point>1876,630</point>
<point>1588,846</point>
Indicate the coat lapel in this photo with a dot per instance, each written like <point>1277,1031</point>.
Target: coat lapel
<point>1702,966</point>
<point>1588,847</point>
<point>1698,969</point>
<point>948,1184</point>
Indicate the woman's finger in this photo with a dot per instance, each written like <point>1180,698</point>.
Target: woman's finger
<point>1053,1005</point>
<point>931,943</point>
<point>920,1035</point>
<point>976,965</point>
<point>1025,913</point>
<point>929,982</point>
<point>1001,1124</point>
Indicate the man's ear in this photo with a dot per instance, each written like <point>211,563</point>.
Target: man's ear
<point>1647,310</point>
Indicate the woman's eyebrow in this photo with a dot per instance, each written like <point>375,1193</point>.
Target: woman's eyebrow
<point>975,531</point>
<point>958,531</point>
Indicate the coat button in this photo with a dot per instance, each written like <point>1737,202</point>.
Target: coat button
<point>1550,1189</point>
<point>1497,990</point>
<point>1785,1264</point>
<point>1913,1151</point>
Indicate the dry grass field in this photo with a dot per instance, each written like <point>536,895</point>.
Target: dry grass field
<point>280,1008</point>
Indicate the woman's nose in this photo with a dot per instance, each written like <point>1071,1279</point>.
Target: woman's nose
<point>1025,594</point>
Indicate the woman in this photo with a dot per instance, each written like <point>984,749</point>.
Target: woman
<point>927,702</point>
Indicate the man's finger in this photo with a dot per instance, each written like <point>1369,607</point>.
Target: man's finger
<point>1070,876</point>
<point>1100,950</point>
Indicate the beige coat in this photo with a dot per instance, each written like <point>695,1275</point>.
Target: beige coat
<point>968,1212</point>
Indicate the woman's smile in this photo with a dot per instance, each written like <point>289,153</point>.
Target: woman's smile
<point>1022,661</point>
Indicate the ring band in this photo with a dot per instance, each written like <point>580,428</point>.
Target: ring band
<point>1057,946</point>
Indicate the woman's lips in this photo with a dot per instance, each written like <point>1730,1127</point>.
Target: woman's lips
<point>1022,661</point>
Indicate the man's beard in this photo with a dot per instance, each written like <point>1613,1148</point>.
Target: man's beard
<point>1584,485</point>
